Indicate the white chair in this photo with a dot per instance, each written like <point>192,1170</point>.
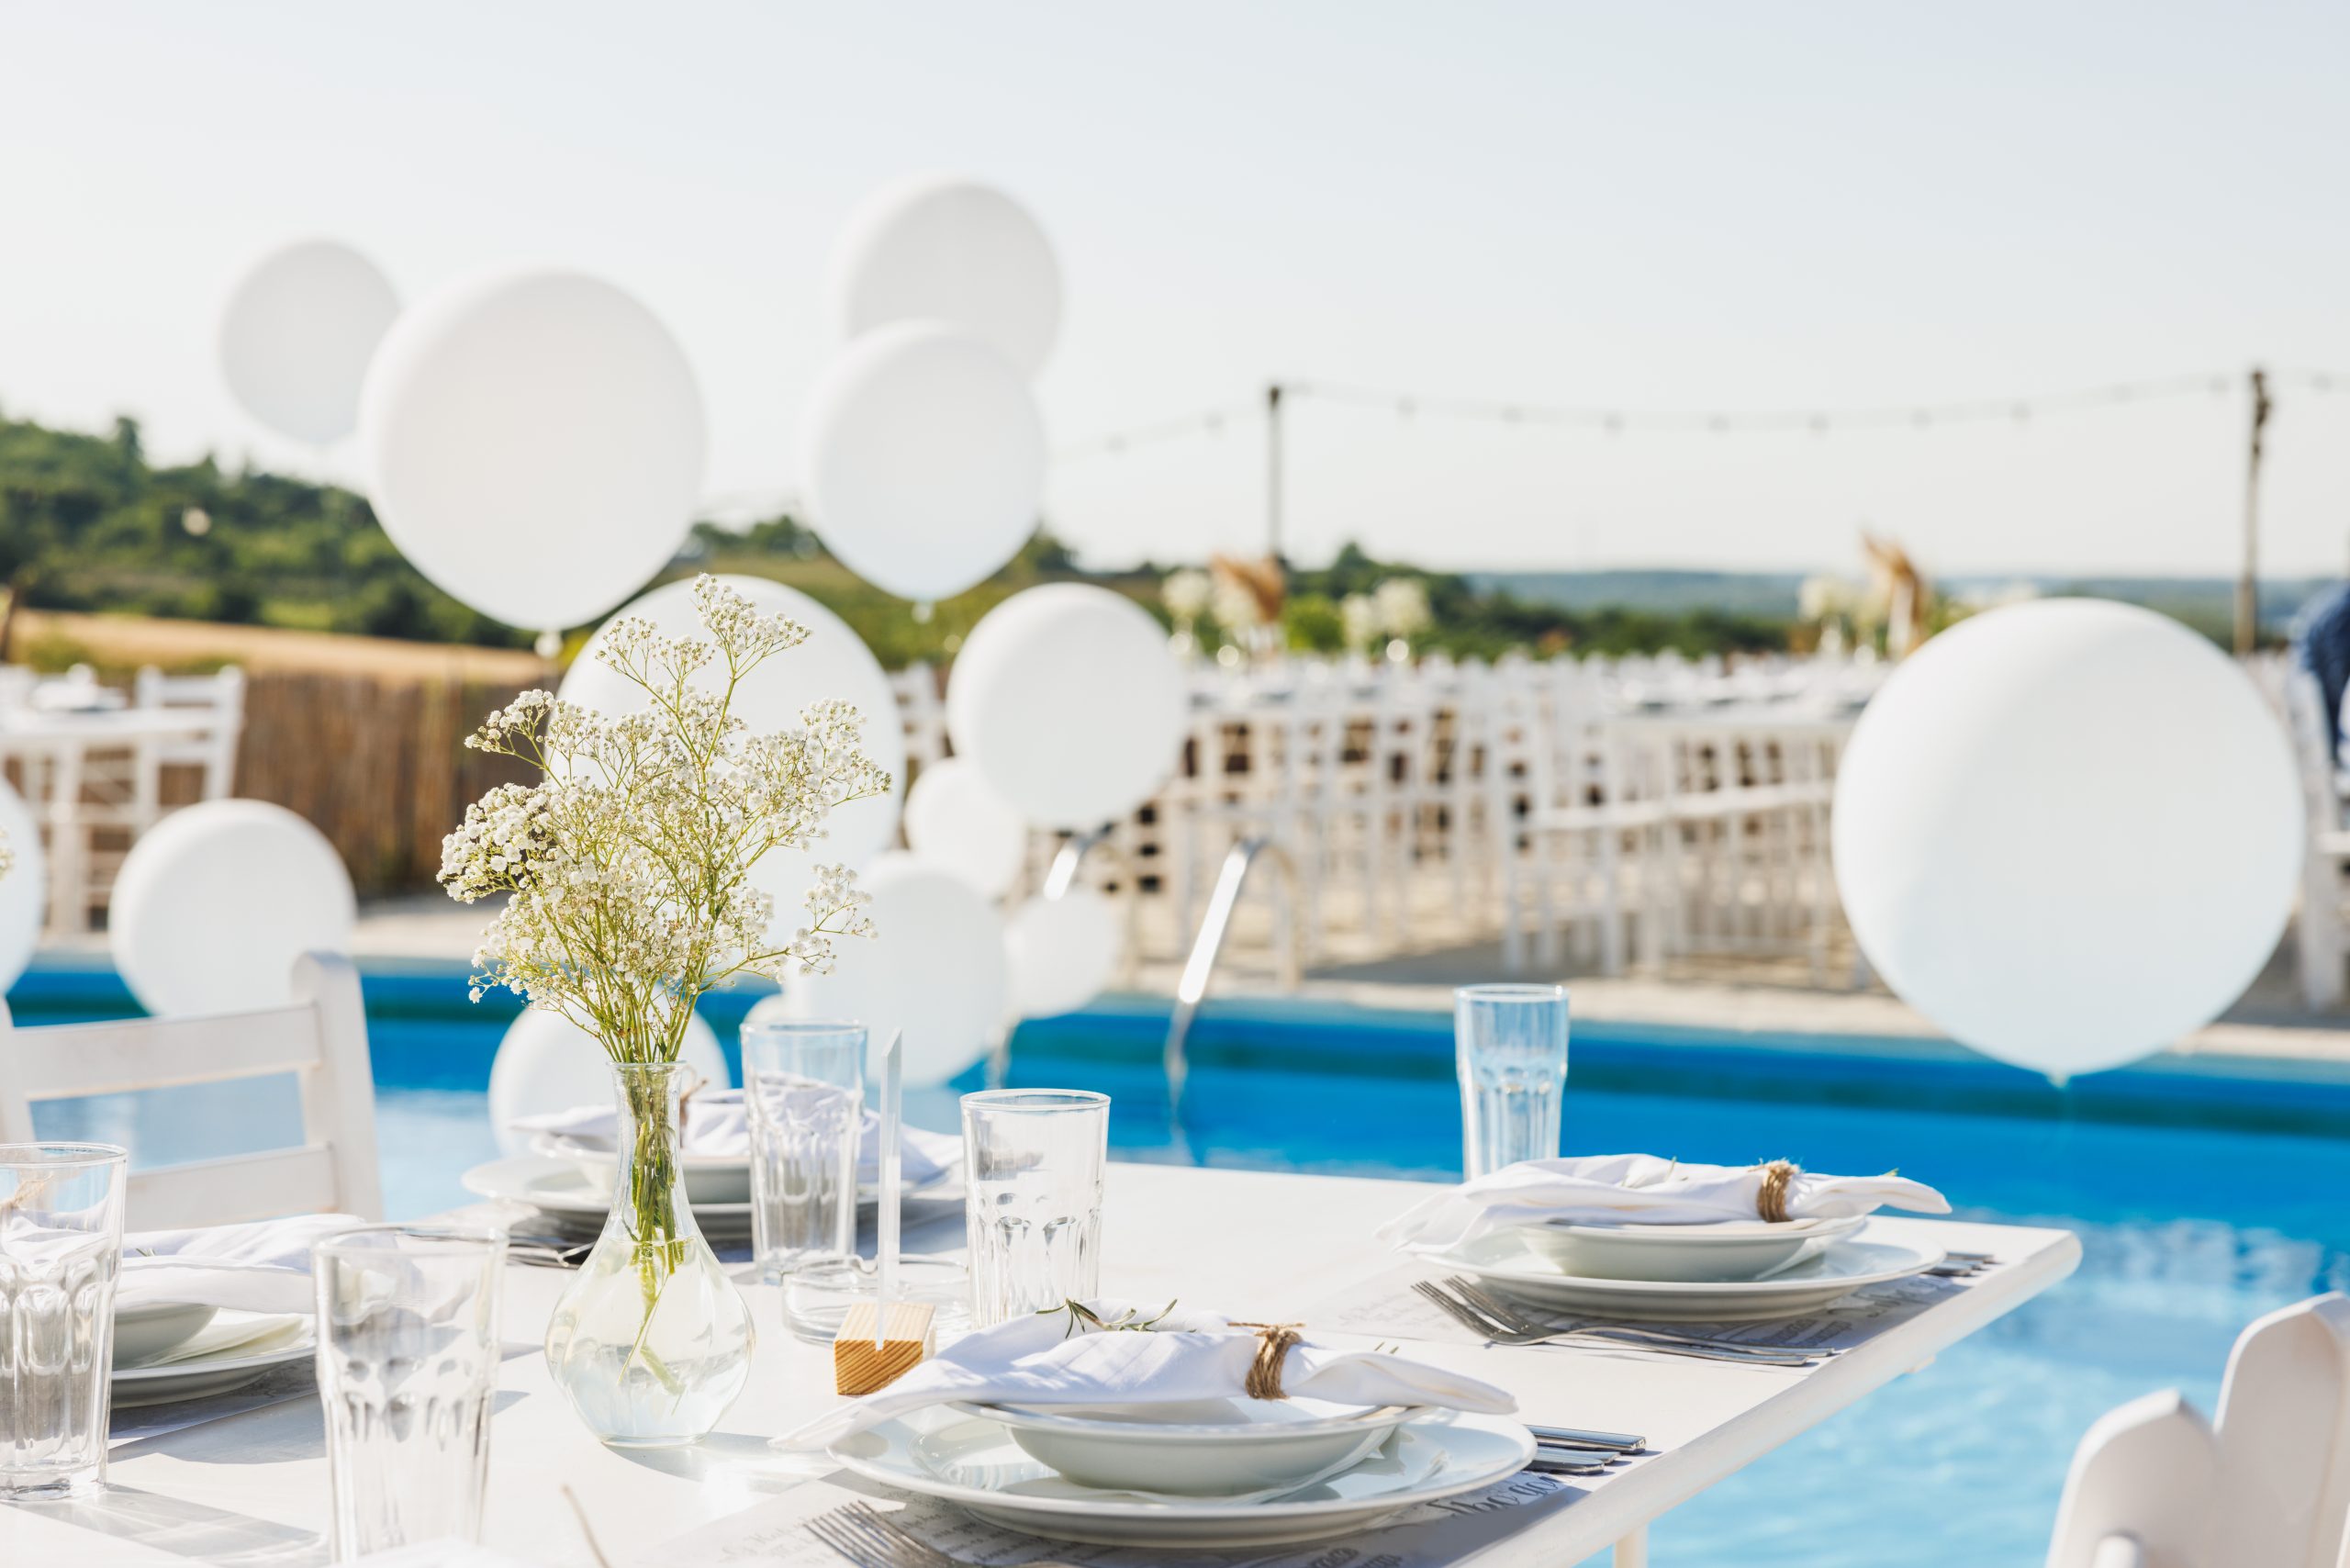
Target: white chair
<point>2267,1486</point>
<point>214,753</point>
<point>322,1038</point>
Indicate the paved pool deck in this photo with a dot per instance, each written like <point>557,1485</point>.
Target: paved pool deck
<point>1741,996</point>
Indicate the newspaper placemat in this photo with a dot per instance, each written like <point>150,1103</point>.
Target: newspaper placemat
<point>1385,1307</point>
<point>775,1535</point>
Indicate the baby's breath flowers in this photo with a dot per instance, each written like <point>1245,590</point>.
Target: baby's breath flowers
<point>627,865</point>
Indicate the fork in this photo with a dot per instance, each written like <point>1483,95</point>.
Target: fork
<point>1497,1331</point>
<point>1519,1321</point>
<point>870,1539</point>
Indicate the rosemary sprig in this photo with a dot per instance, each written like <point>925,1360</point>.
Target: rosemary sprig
<point>1082,1317</point>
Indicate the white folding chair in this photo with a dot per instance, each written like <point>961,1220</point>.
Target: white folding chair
<point>214,753</point>
<point>322,1038</point>
<point>2154,1486</point>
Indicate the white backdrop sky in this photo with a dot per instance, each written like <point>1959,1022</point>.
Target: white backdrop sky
<point>1659,206</point>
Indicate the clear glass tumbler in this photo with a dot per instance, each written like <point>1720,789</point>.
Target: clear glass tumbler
<point>1510,1043</point>
<point>61,1248</point>
<point>408,1366</point>
<point>804,1083</point>
<point>1034,1161</point>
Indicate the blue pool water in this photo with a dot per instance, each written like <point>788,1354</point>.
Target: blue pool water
<point>2202,1199</point>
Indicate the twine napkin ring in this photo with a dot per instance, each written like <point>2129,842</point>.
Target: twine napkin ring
<point>1771,1198</point>
<point>1273,1342</point>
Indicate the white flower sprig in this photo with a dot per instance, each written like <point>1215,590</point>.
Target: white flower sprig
<point>627,864</point>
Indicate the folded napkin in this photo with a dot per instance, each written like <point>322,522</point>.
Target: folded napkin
<point>717,1123</point>
<point>1636,1189</point>
<point>261,1267</point>
<point>1040,1359</point>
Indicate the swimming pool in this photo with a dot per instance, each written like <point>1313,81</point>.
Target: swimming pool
<point>2204,1194</point>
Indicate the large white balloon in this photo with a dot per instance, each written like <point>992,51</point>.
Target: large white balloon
<point>547,1063</point>
<point>1067,700</point>
<point>950,250</point>
<point>534,445</point>
<point>297,332</point>
<point>834,665</point>
<point>934,968</point>
<point>24,891</point>
<point>1061,952</point>
<point>922,460</point>
<point>957,823</point>
<point>2067,832</point>
<point>215,902</point>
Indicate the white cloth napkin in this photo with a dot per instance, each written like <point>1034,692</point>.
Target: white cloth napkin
<point>718,1124</point>
<point>261,1267</point>
<point>1035,1359</point>
<point>1636,1188</point>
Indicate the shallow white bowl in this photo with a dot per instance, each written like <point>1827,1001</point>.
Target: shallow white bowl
<point>1206,1448</point>
<point>143,1332</point>
<point>1727,1251</point>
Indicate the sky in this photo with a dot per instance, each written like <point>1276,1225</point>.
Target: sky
<point>1682,208</point>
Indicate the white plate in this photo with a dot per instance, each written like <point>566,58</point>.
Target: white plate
<point>1729,1251</point>
<point>143,1332</point>
<point>1203,1447</point>
<point>711,1179</point>
<point>1504,1261</point>
<point>975,1464</point>
<point>556,1187</point>
<point>198,1380</point>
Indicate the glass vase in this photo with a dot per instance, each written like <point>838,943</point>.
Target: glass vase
<point>651,1341</point>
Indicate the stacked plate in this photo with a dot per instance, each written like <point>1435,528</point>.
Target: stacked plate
<point>1734,1270</point>
<point>167,1352</point>
<point>575,1195</point>
<point>1214,1473</point>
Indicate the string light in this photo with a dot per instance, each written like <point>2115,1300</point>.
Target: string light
<point>1921,417</point>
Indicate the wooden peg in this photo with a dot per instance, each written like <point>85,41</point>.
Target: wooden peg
<point>860,1366</point>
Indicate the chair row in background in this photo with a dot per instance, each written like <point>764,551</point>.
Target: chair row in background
<point>1634,810</point>
<point>97,767</point>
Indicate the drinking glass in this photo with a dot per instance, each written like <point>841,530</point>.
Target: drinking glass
<point>1034,1161</point>
<point>804,1083</point>
<point>1511,1042</point>
<point>61,1247</point>
<point>408,1364</point>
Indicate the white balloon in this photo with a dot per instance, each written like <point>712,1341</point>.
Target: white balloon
<point>547,1063</point>
<point>1061,952</point>
<point>953,251</point>
<point>834,665</point>
<point>2067,832</point>
<point>24,891</point>
<point>534,442</point>
<point>934,968</point>
<point>1067,700</point>
<point>215,902</point>
<point>922,460</point>
<point>957,823</point>
<point>297,332</point>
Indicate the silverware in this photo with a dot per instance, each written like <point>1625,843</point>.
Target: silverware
<point>547,1251</point>
<point>870,1539</point>
<point>1550,1461</point>
<point>1626,1337</point>
<point>1577,1438</point>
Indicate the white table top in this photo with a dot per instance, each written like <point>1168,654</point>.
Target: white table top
<point>1248,1244</point>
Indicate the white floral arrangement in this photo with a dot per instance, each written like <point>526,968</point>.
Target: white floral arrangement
<point>626,865</point>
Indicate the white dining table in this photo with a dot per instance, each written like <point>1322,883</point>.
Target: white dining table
<point>252,1487</point>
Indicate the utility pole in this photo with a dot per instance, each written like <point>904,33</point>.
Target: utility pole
<point>1273,469</point>
<point>2248,583</point>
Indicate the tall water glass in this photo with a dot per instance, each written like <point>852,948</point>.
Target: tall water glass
<point>408,1366</point>
<point>1511,1043</point>
<point>61,1247</point>
<point>1034,1160</point>
<point>804,1083</point>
